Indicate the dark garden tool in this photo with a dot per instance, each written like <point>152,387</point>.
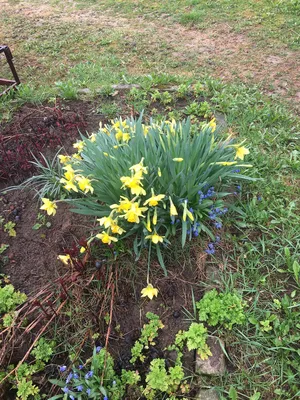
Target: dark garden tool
<point>9,82</point>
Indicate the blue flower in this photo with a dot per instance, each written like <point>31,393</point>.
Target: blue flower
<point>196,233</point>
<point>72,397</point>
<point>218,239</point>
<point>105,398</point>
<point>218,225</point>
<point>75,376</point>
<point>69,377</point>
<point>88,391</point>
<point>210,251</point>
<point>191,210</point>
<point>89,375</point>
<point>80,388</point>
<point>62,368</point>
<point>80,366</point>
<point>98,348</point>
<point>65,389</point>
<point>259,198</point>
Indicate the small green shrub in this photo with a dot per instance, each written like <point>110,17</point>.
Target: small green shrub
<point>225,309</point>
<point>148,334</point>
<point>10,299</point>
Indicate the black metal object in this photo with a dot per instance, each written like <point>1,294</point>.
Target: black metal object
<point>9,82</point>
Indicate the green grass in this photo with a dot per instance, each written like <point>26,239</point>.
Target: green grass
<point>275,20</point>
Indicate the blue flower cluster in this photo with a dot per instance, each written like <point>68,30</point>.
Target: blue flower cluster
<point>215,214</point>
<point>211,246</point>
<point>77,381</point>
<point>210,193</point>
<point>194,229</point>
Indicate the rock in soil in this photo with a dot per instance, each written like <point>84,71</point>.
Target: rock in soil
<point>215,364</point>
<point>205,394</point>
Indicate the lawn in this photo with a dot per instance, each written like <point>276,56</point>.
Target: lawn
<point>226,266</point>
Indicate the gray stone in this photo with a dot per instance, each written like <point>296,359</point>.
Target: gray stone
<point>210,394</point>
<point>215,364</point>
<point>84,91</point>
<point>212,274</point>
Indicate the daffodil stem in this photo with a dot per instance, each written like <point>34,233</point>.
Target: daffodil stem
<point>148,266</point>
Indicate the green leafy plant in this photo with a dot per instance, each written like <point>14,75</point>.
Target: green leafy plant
<point>43,350</point>
<point>9,227</point>
<point>182,91</point>
<point>148,334</point>
<point>41,221</point>
<point>195,339</point>
<point>9,298</point>
<point>160,381</point>
<point>22,377</point>
<point>3,247</point>
<point>225,309</point>
<point>199,109</point>
<point>26,389</point>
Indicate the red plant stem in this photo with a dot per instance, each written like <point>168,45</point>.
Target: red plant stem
<point>63,287</point>
<point>43,309</point>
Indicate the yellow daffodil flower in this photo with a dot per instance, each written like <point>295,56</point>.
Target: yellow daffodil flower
<point>124,205</point>
<point>154,219</point>
<point>139,168</point>
<point>65,259</point>
<point>106,154</point>
<point>106,221</point>
<point>134,183</point>
<point>79,146</point>
<point>106,238</point>
<point>63,159</point>
<point>82,250</point>
<point>148,225</point>
<point>115,228</point>
<point>226,163</point>
<point>178,159</point>
<point>93,137</point>
<point>69,185</point>
<point>70,173</point>
<point>212,124</point>
<point>119,124</point>
<point>187,212</point>
<point>149,291</point>
<point>49,206</point>
<point>77,156</point>
<point>173,210</point>
<point>145,129</point>
<point>154,199</point>
<point>241,152</point>
<point>84,184</point>
<point>135,211</point>
<point>121,136</point>
<point>155,238</point>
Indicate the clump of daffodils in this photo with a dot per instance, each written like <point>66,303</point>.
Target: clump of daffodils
<point>152,181</point>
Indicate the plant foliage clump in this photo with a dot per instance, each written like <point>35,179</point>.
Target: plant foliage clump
<point>225,309</point>
<point>150,181</point>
